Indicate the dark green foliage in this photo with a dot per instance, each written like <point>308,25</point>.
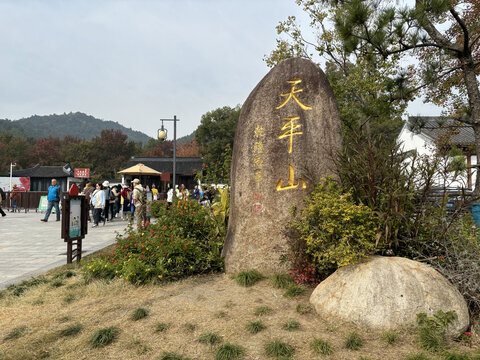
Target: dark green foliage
<point>291,325</point>
<point>139,313</point>
<point>18,290</point>
<point>209,338</point>
<point>70,331</point>
<point>263,310</point>
<point>321,347</point>
<point>353,341</point>
<point>69,298</point>
<point>16,333</point>
<point>431,333</point>
<point>248,278</point>
<point>229,351</point>
<point>65,274</point>
<point>294,291</point>
<point>281,281</point>
<point>455,356</point>
<point>279,350</point>
<point>255,327</point>
<point>163,326</point>
<point>104,336</point>
<point>57,283</point>
<point>172,356</point>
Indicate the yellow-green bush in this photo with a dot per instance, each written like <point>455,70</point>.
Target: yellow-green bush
<point>335,230</point>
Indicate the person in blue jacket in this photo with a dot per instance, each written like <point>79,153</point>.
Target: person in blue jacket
<point>54,194</point>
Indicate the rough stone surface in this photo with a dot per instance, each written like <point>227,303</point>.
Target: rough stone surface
<point>266,160</point>
<point>388,292</point>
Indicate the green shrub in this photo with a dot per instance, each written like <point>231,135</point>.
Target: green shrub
<point>279,350</point>
<point>209,338</point>
<point>19,290</point>
<point>418,357</point>
<point>291,325</point>
<point>431,333</point>
<point>336,231</point>
<point>455,356</point>
<point>181,243</point>
<point>229,351</point>
<point>353,341</point>
<point>139,313</point>
<point>321,347</point>
<point>16,333</point>
<point>281,281</point>
<point>104,336</point>
<point>56,283</point>
<point>70,331</point>
<point>255,327</point>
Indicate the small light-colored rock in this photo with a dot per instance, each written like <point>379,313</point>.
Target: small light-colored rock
<point>388,292</point>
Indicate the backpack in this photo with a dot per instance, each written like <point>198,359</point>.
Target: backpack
<point>3,196</point>
<point>111,196</point>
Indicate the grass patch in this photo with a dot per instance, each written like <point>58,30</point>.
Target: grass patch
<point>229,351</point>
<point>65,274</point>
<point>56,283</point>
<point>455,356</point>
<point>173,356</point>
<point>389,337</point>
<point>104,336</point>
<point>69,298</point>
<point>190,327</point>
<point>141,347</point>
<point>64,319</point>
<point>279,350</point>
<point>418,357</point>
<point>353,341</point>
<point>248,278</point>
<point>210,338</point>
<point>255,327</point>
<point>294,291</point>
<point>263,310</point>
<point>139,314</point>
<point>431,339</point>
<point>16,333</point>
<point>220,314</point>
<point>321,347</point>
<point>18,290</point>
<point>281,281</point>
<point>70,331</point>
<point>163,326</point>
<point>291,325</point>
<point>304,309</point>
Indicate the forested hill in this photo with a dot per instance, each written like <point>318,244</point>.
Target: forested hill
<point>74,124</point>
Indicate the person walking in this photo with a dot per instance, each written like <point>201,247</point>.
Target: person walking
<point>98,204</point>
<point>139,201</point>
<point>53,197</point>
<point>14,196</point>
<point>88,191</point>
<point>3,197</point>
<point>170,196</point>
<point>154,192</point>
<point>126,195</point>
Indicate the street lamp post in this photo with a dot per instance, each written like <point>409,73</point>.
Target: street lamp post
<point>11,171</point>
<point>162,136</point>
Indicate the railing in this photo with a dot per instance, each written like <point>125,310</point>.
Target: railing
<point>28,200</point>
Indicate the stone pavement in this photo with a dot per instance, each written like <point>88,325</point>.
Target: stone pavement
<point>29,247</point>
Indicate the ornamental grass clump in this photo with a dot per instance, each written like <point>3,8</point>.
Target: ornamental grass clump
<point>431,331</point>
<point>279,350</point>
<point>138,314</point>
<point>321,347</point>
<point>181,243</point>
<point>353,341</point>
<point>209,338</point>
<point>104,336</point>
<point>248,278</point>
<point>254,327</point>
<point>229,351</point>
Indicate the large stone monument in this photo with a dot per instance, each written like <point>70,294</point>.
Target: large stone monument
<point>287,133</point>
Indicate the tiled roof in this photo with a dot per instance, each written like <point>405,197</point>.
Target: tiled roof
<point>39,171</point>
<point>184,165</point>
<point>434,126</point>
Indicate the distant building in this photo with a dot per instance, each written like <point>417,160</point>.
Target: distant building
<point>41,176</point>
<point>186,169</point>
<point>420,132</point>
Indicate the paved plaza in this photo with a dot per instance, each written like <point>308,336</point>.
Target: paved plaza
<point>29,247</point>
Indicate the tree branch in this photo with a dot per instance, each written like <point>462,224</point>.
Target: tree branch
<point>463,26</point>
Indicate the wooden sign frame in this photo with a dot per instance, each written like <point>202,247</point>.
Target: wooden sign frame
<point>74,253</point>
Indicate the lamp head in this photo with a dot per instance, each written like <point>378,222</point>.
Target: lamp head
<point>162,134</point>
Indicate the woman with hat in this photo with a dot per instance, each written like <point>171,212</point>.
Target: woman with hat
<point>14,196</point>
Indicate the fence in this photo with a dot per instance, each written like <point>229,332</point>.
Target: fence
<point>26,201</point>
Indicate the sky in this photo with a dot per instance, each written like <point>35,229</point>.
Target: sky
<point>137,61</point>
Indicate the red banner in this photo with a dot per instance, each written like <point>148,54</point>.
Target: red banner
<point>165,176</point>
<point>82,173</point>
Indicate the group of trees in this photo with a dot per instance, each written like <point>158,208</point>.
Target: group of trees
<point>378,55</point>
